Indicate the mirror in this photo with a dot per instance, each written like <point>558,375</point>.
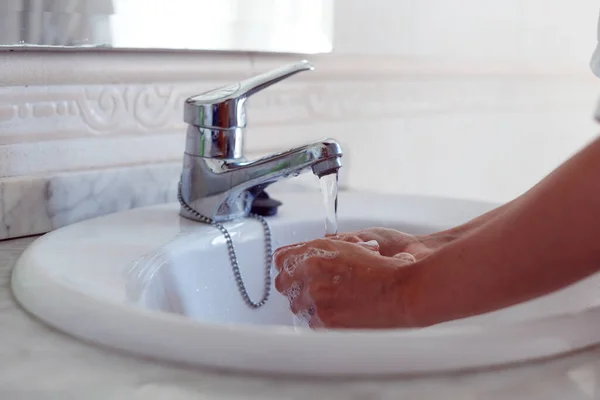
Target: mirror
<point>283,26</point>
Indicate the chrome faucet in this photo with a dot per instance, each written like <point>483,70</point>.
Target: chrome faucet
<point>217,182</point>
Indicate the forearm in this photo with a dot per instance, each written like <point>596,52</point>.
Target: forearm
<point>439,239</point>
<point>544,241</point>
<point>456,232</point>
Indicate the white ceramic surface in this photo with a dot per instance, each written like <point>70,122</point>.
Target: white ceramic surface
<point>149,282</point>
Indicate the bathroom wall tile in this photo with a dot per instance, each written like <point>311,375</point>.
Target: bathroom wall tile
<point>33,205</point>
<point>23,207</point>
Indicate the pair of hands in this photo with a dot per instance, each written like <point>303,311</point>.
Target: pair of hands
<point>357,280</point>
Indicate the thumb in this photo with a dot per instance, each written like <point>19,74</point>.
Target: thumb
<point>372,245</point>
<point>405,258</point>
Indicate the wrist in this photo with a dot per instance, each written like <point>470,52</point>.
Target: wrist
<point>409,290</point>
<point>430,292</point>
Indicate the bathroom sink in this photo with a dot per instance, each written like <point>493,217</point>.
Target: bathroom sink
<point>149,282</point>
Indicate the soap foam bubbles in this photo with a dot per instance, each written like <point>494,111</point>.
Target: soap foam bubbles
<point>293,291</point>
<point>291,263</point>
<point>303,318</point>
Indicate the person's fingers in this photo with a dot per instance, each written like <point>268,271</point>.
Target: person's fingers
<point>405,258</point>
<point>372,245</point>
<point>365,236</point>
<point>314,322</point>
<point>291,246</point>
<point>292,292</point>
<point>382,241</point>
<point>293,258</point>
<point>350,238</point>
<point>284,281</point>
<point>419,250</point>
<point>284,253</point>
<point>421,255</point>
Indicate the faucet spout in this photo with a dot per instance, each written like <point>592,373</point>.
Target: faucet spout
<point>223,190</point>
<point>323,157</point>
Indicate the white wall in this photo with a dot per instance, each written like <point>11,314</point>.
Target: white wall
<point>517,70</point>
<point>557,32</point>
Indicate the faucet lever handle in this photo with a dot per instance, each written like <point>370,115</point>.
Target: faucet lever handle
<point>224,107</point>
<point>259,82</point>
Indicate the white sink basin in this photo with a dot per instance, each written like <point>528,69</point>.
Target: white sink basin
<point>149,282</point>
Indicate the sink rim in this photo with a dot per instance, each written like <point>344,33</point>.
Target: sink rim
<point>51,296</point>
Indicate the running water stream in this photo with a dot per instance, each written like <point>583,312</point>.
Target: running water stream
<point>329,190</point>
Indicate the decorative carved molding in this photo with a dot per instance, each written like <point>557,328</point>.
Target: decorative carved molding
<point>61,112</point>
<point>43,128</point>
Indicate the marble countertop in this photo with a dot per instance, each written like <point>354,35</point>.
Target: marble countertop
<point>37,362</point>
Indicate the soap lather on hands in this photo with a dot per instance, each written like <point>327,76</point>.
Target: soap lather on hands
<point>540,242</point>
<point>357,280</point>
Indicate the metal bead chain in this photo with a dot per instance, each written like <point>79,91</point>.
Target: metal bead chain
<point>232,255</point>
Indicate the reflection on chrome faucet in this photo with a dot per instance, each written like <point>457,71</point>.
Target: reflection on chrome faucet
<point>217,181</point>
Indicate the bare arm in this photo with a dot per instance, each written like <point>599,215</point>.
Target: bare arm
<point>546,239</point>
<point>454,233</point>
